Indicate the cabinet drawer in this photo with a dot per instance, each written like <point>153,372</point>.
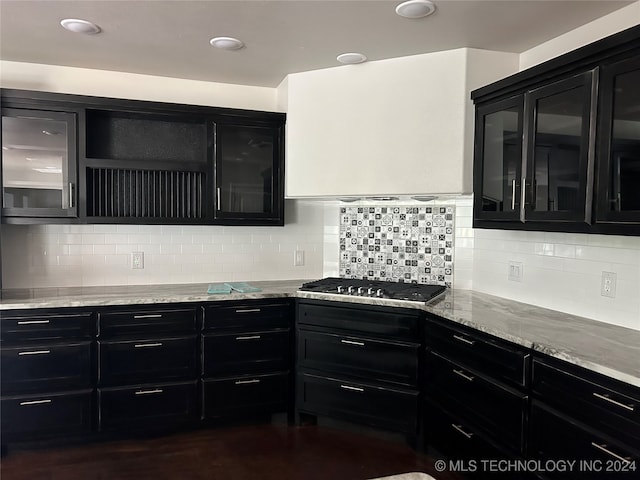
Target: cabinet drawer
<point>247,316</point>
<point>459,441</point>
<point>555,436</point>
<point>497,409</point>
<point>483,353</point>
<point>246,395</point>
<point>377,322</point>
<point>391,408</point>
<point>250,352</point>
<point>608,405</point>
<point>45,415</point>
<point>47,367</point>
<point>150,321</point>
<point>148,406</point>
<point>20,328</point>
<point>148,360</point>
<point>363,357</point>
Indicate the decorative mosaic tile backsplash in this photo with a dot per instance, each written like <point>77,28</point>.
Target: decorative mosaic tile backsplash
<point>408,244</point>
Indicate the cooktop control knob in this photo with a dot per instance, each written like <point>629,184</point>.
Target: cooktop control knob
<point>340,289</point>
<point>379,292</point>
<point>370,291</point>
<point>360,290</point>
<point>350,290</point>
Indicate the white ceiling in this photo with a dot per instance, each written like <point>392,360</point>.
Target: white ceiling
<point>171,38</point>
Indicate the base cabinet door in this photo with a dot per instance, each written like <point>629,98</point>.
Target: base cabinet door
<point>44,415</point>
<point>245,395</point>
<point>148,406</point>
<point>389,408</point>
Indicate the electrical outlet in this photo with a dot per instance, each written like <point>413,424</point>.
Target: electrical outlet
<point>608,286</point>
<point>137,260</point>
<point>515,271</point>
<point>298,258</point>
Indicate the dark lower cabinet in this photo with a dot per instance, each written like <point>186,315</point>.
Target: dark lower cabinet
<point>34,416</point>
<point>148,406</point>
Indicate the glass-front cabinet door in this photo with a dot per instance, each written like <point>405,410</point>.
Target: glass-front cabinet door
<point>249,171</point>
<point>559,154</point>
<point>38,163</point>
<point>619,145</point>
<point>498,159</point>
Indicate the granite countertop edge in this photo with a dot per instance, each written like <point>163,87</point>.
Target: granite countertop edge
<point>523,324</point>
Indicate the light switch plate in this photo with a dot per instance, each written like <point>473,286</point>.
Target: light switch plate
<point>137,260</point>
<point>515,271</point>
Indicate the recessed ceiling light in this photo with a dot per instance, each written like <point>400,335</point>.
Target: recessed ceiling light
<point>76,25</point>
<point>415,9</point>
<point>351,58</point>
<point>226,43</point>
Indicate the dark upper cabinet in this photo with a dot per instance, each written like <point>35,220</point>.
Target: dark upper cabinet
<point>249,171</point>
<point>38,162</point>
<point>108,160</point>
<point>618,195</point>
<point>557,146</point>
<point>497,183</point>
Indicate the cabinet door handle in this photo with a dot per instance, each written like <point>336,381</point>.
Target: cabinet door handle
<point>35,402</point>
<point>353,389</point>
<point>248,310</point>
<point>459,429</point>
<point>606,398</point>
<point>150,315</point>
<point>352,342</point>
<point>71,195</point>
<point>247,382</point>
<point>32,322</point>
<point>463,375</point>
<point>513,194</point>
<point>145,345</point>
<point>464,340</point>
<point>249,337</point>
<point>35,352</point>
<point>604,449</point>
<point>149,392</point>
<point>218,207</point>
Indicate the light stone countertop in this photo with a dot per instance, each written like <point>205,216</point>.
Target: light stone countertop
<point>608,349</point>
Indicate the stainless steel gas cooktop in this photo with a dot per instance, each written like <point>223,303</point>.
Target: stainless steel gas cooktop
<point>416,292</point>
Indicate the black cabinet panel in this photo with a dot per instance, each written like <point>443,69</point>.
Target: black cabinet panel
<point>154,321</point>
<point>245,395</point>
<point>148,406</point>
<point>246,316</point>
<point>602,403</point>
<point>41,326</point>
<point>487,354</point>
<point>555,436</point>
<point>51,414</point>
<point>146,360</point>
<point>498,410</point>
<point>260,351</point>
<point>389,323</point>
<point>392,408</point>
<point>363,357</point>
<point>47,367</point>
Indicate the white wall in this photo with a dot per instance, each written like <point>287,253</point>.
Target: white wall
<point>85,255</point>
<point>617,21</point>
<point>84,81</point>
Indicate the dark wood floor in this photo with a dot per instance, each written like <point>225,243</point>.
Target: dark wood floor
<point>263,452</point>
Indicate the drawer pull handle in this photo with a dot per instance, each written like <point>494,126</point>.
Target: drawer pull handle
<point>35,352</point>
<point>459,429</point>
<point>352,342</point>
<point>464,340</point>
<point>247,382</point>
<point>463,375</point>
<point>353,389</point>
<point>144,345</point>
<point>249,337</point>
<point>150,315</point>
<point>606,398</point>
<point>149,392</point>
<point>609,452</point>
<point>35,402</point>
<point>249,310</point>
<point>33,322</point>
